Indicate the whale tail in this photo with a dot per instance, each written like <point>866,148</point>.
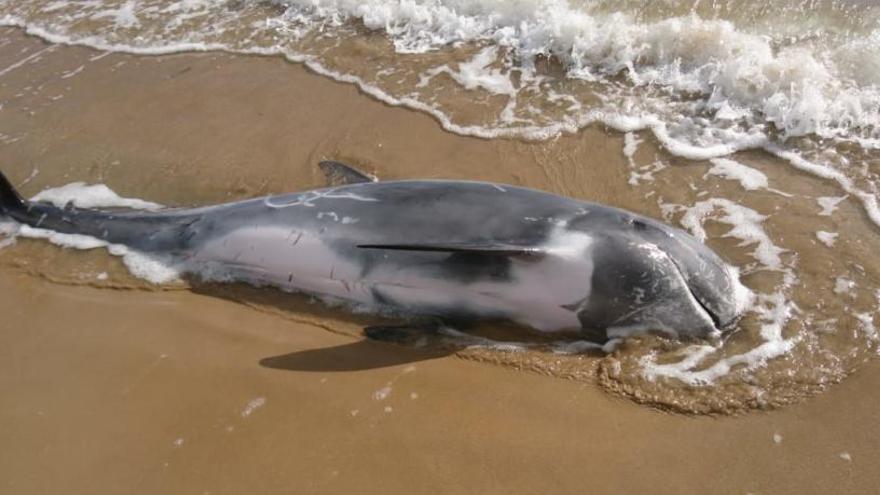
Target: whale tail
<point>143,230</point>
<point>10,200</point>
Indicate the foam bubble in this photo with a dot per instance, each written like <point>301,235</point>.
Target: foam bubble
<point>151,268</point>
<point>83,195</point>
<point>252,406</point>
<point>774,310</point>
<point>843,285</point>
<point>827,238</point>
<point>746,225</point>
<point>383,393</point>
<point>829,204</point>
<point>749,178</point>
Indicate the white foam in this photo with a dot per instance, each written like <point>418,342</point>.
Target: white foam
<point>252,406</point>
<point>477,73</point>
<point>746,225</point>
<point>866,321</point>
<point>8,231</point>
<point>744,298</point>
<point>125,16</point>
<point>829,204</point>
<point>825,171</point>
<point>83,195</point>
<point>774,310</point>
<point>644,173</point>
<point>631,144</point>
<point>745,81</point>
<point>749,178</point>
<point>843,285</point>
<point>147,267</point>
<point>383,393</point>
<point>827,238</point>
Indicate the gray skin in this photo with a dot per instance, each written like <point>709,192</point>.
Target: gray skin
<point>444,249</point>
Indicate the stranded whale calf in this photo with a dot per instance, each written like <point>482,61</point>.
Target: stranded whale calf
<point>439,249</point>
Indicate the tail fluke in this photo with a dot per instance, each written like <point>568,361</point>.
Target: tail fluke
<point>10,200</point>
<point>142,230</point>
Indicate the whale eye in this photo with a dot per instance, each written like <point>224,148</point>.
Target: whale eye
<point>638,224</point>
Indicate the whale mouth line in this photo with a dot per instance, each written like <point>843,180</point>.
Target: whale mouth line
<point>716,321</point>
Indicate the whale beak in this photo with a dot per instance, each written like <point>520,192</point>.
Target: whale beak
<point>712,283</point>
<point>648,275</point>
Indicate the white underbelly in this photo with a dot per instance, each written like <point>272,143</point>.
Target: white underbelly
<point>290,259</point>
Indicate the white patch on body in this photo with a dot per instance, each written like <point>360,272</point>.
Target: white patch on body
<point>534,297</point>
<point>290,259</point>
<point>299,260</point>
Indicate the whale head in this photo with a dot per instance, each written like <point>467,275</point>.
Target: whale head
<point>650,276</point>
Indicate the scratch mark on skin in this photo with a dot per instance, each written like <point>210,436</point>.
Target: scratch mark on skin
<point>496,186</point>
<point>308,199</point>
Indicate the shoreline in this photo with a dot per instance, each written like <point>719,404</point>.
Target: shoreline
<point>617,123</point>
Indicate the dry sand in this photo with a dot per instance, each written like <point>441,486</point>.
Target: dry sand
<point>120,388</point>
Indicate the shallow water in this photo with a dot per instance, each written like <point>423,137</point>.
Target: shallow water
<point>782,96</point>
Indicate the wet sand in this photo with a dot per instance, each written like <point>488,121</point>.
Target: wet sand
<point>113,386</point>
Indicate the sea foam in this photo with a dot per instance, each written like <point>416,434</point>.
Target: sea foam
<point>704,85</point>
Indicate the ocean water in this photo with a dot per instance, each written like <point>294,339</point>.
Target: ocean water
<point>707,81</point>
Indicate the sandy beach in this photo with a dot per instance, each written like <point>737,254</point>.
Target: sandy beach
<point>111,385</point>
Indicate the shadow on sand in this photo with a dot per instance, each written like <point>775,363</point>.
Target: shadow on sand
<point>364,354</point>
<point>356,356</point>
<point>393,347</point>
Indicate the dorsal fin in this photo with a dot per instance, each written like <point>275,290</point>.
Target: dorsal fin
<point>340,174</point>
<point>499,249</point>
